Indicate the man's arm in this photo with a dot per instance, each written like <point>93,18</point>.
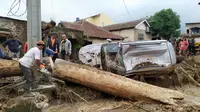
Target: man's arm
<point>5,43</point>
<point>37,62</point>
<point>37,58</point>
<point>58,46</point>
<point>70,48</point>
<point>19,42</point>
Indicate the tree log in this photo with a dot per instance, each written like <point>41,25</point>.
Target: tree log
<point>113,84</point>
<point>9,68</point>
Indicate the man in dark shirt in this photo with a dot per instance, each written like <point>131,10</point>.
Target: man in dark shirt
<point>191,47</point>
<point>13,47</point>
<point>53,44</point>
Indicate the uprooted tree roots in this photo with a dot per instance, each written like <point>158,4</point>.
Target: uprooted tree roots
<point>188,71</point>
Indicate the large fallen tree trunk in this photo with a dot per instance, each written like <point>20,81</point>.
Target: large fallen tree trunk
<point>9,68</point>
<point>113,84</point>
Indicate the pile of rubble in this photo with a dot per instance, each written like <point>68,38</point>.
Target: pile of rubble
<point>69,93</point>
<point>188,71</point>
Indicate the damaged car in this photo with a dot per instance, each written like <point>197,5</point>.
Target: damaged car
<point>129,59</point>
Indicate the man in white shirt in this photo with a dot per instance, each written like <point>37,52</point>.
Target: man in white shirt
<point>31,58</point>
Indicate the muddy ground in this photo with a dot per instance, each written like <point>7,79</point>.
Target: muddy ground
<point>93,101</point>
<point>76,98</point>
<point>106,103</point>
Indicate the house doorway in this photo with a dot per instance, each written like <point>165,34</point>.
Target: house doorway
<point>75,49</point>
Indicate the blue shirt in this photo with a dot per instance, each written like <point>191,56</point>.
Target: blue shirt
<point>49,52</point>
<point>13,45</point>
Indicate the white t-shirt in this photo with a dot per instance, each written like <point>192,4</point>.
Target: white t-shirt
<point>28,59</point>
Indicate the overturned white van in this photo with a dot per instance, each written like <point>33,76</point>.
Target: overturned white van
<point>130,58</point>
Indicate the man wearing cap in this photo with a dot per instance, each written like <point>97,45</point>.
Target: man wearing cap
<point>30,59</point>
<point>13,47</point>
<point>53,44</point>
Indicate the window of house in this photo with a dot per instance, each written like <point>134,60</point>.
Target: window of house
<point>147,29</point>
<point>140,36</point>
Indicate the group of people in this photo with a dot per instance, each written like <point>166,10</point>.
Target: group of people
<point>186,47</point>
<point>31,59</point>
<point>12,46</point>
<point>54,48</point>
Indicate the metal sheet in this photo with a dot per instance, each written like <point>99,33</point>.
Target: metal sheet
<point>90,54</point>
<point>155,54</point>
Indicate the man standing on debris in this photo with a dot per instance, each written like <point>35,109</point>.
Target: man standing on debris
<point>26,64</point>
<point>46,29</point>
<point>192,47</point>
<point>183,45</point>
<point>13,47</point>
<point>65,47</point>
<point>53,44</point>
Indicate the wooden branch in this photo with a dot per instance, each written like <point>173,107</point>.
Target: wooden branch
<point>189,76</point>
<point>78,96</point>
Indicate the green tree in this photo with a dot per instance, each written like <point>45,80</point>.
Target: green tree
<point>165,23</point>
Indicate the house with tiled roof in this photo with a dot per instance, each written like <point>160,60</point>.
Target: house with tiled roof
<point>82,33</point>
<point>131,31</point>
<point>91,33</point>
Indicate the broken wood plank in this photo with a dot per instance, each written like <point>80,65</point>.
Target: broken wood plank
<point>113,84</point>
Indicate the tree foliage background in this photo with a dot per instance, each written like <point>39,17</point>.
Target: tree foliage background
<point>165,23</point>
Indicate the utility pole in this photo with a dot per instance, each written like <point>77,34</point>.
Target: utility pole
<point>33,22</point>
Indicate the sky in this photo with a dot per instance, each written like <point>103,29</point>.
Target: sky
<point>69,10</point>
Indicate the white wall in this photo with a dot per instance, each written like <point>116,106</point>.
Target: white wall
<point>142,26</point>
<point>129,33</point>
<point>132,34</point>
<point>96,40</point>
<point>192,25</point>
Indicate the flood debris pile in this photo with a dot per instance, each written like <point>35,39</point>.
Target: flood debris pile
<point>10,102</point>
<point>72,93</point>
<point>84,89</point>
<point>188,71</point>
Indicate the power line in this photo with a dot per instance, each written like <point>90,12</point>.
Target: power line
<point>122,14</point>
<point>13,6</point>
<point>127,9</point>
